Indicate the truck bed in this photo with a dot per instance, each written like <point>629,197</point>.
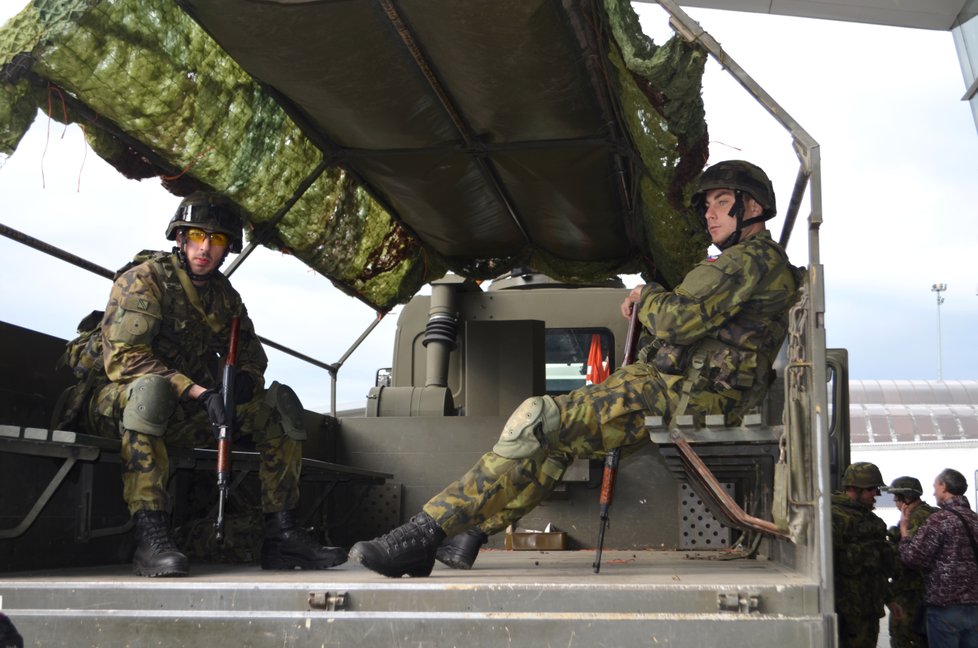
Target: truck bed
<point>509,598</point>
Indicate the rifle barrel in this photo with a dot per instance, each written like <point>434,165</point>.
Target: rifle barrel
<point>224,432</point>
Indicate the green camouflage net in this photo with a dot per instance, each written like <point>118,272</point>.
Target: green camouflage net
<point>157,97</point>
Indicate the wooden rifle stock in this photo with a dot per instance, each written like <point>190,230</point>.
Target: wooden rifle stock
<point>611,459</point>
<point>224,431</point>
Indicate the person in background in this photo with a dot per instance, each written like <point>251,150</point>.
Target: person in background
<point>862,557</point>
<point>907,585</point>
<point>945,550</point>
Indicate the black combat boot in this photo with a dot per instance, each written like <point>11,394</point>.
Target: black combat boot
<point>287,546</point>
<point>156,555</point>
<point>408,549</point>
<point>461,551</point>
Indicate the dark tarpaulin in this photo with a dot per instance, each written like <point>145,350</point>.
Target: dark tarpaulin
<point>433,135</point>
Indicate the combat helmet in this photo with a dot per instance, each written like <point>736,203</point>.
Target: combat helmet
<point>863,474</point>
<point>906,486</point>
<point>742,177</point>
<point>211,212</point>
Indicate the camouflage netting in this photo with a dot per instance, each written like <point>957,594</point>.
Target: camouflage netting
<point>158,97</point>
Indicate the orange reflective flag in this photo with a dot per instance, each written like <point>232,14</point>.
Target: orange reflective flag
<point>597,365</point>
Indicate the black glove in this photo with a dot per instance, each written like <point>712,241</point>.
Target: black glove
<point>213,404</point>
<point>244,388</point>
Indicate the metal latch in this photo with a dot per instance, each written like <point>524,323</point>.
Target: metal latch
<point>328,601</point>
<point>741,602</point>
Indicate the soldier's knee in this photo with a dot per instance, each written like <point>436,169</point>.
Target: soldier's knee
<point>283,400</point>
<point>530,427</point>
<point>149,404</point>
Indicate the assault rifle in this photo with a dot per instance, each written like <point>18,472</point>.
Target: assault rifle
<point>611,459</point>
<point>224,431</point>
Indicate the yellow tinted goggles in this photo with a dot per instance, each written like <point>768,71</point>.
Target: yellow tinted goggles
<point>198,236</point>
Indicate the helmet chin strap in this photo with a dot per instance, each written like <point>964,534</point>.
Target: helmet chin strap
<point>182,257</point>
<point>737,211</point>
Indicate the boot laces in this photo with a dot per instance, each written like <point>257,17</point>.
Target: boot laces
<point>406,536</point>
<point>158,538</point>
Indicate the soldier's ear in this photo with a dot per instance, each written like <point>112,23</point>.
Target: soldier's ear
<point>752,207</point>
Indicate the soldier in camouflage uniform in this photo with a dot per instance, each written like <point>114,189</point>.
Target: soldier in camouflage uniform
<point>906,584</point>
<point>862,557</point>
<point>715,338</point>
<point>163,336</point>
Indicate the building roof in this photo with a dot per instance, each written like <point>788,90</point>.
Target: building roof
<point>920,14</point>
<point>913,411</point>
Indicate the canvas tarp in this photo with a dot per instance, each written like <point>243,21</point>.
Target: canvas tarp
<point>412,136</point>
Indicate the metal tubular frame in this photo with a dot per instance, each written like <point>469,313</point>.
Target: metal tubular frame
<point>807,150</point>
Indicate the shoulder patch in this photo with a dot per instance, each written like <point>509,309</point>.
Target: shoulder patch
<point>140,304</point>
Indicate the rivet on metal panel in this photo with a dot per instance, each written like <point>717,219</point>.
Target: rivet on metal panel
<point>327,601</point>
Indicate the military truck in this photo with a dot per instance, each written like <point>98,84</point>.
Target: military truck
<point>518,171</point>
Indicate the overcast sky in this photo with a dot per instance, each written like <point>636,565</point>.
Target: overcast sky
<point>898,149</point>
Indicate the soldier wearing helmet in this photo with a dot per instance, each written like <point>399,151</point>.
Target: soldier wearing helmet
<point>205,218</point>
<point>734,199</point>
<point>156,383</point>
<point>862,557</point>
<point>907,584</point>
<point>713,339</point>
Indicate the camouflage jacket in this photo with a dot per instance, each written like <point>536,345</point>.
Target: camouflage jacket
<point>907,584</point>
<point>739,299</point>
<point>942,551</point>
<point>863,559</point>
<point>158,322</point>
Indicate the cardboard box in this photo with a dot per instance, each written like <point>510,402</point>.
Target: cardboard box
<point>536,540</point>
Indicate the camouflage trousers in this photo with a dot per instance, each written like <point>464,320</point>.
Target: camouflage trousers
<point>146,464</point>
<point>594,419</point>
<point>858,632</point>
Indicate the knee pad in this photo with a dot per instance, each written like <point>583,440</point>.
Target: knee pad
<point>149,405</point>
<point>532,425</point>
<point>285,401</point>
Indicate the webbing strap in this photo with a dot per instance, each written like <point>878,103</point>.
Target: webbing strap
<point>191,290</point>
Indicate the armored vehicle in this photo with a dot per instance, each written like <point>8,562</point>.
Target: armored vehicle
<point>516,157</point>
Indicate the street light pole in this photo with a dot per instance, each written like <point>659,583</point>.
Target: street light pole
<point>939,288</point>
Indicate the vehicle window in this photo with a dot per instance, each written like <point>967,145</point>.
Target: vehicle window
<point>567,354</point>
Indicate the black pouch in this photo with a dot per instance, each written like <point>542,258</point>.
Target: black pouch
<point>671,359</point>
<point>918,622</point>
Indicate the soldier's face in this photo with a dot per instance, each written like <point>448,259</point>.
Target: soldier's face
<point>720,223</point>
<point>202,254</point>
<point>867,497</point>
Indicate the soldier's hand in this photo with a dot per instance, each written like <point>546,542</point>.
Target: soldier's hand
<point>630,301</point>
<point>213,404</point>
<point>896,611</point>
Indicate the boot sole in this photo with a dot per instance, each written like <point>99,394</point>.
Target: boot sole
<point>414,572</point>
<point>285,564</point>
<point>160,573</point>
<point>454,562</point>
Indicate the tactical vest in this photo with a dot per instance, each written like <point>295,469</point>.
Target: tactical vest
<point>737,359</point>
<point>187,339</point>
